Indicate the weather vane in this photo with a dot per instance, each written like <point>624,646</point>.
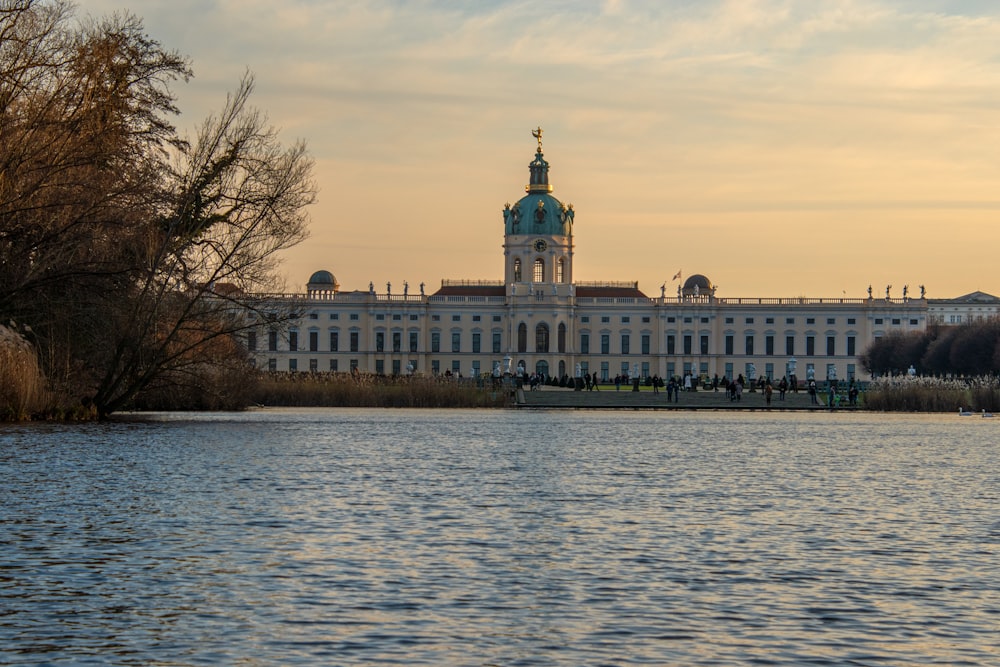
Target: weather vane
<point>537,134</point>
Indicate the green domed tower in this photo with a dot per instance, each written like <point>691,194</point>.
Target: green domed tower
<point>538,230</point>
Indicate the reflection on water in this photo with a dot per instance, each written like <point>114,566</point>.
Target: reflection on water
<point>501,538</point>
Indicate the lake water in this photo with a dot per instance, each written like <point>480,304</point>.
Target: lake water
<point>343,537</point>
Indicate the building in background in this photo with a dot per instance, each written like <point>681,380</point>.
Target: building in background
<point>539,319</point>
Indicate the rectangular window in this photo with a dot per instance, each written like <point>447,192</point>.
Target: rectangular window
<point>293,365</point>
<point>585,319</point>
<point>851,346</point>
<point>769,320</point>
<point>605,343</point>
<point>456,341</point>
<point>831,320</point>
<point>380,341</point>
<point>380,366</point>
<point>414,341</point>
<point>397,318</point>
<point>730,344</point>
<point>413,318</point>
<point>272,341</point>
<point>645,343</point>
<point>704,344</point>
<point>496,342</point>
<point>456,366</point>
<point>831,346</point>
<point>645,320</point>
<point>353,363</point>
<point>496,318</point>
<point>626,319</point>
<point>334,341</point>
<point>272,364</point>
<point>687,343</point>
<point>456,318</point>
<point>584,343</point>
<point>396,366</point>
<point>435,367</point>
<point>789,320</point>
<point>313,365</point>
<point>334,316</point>
<point>810,346</point>
<point>354,318</point>
<point>293,341</point>
<point>671,344</point>
<point>749,320</point>
<point>790,345</point>
<point>769,345</point>
<point>729,320</point>
<point>605,319</point>
<point>313,341</point>
<point>333,365</point>
<point>252,341</point>
<point>476,342</point>
<point>435,341</point>
<point>749,344</point>
<point>605,372</point>
<point>810,320</point>
<point>645,369</point>
<point>878,320</point>
<point>477,318</point>
<point>397,341</point>
<point>625,344</point>
<point>380,317</point>
<point>355,337</point>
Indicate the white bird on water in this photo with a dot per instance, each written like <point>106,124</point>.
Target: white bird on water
<point>962,412</point>
<point>987,414</point>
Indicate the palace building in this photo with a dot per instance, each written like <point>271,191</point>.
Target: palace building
<point>538,318</point>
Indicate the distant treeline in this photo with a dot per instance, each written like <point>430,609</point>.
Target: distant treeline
<point>969,350</point>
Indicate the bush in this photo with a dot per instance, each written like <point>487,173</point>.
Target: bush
<point>930,394</point>
<point>362,390</point>
<point>22,387</point>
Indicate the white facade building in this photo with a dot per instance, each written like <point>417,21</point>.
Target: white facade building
<point>543,321</point>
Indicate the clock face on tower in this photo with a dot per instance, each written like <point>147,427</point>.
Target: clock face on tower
<point>540,245</point>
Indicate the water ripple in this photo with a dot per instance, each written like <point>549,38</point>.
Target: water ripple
<point>500,538</point>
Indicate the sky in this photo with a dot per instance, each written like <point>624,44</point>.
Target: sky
<point>782,148</point>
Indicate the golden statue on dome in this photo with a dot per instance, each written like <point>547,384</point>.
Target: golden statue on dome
<point>537,134</point>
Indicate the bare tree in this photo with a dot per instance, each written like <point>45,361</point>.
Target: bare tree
<point>239,197</point>
<point>128,250</point>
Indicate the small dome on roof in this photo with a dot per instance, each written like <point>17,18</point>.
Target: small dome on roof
<point>322,282</point>
<point>322,278</point>
<point>698,280</point>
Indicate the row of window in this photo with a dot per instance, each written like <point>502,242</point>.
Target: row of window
<point>542,343</point>
<point>538,270</point>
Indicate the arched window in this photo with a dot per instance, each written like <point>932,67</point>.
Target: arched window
<point>517,270</point>
<point>539,275</point>
<point>542,338</point>
<point>561,270</point>
<point>561,339</point>
<point>522,337</point>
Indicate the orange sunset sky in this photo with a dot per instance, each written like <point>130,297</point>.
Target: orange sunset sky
<point>782,148</point>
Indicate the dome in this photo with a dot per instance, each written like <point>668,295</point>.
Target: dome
<point>699,281</point>
<point>322,282</point>
<point>322,278</point>
<point>538,212</point>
